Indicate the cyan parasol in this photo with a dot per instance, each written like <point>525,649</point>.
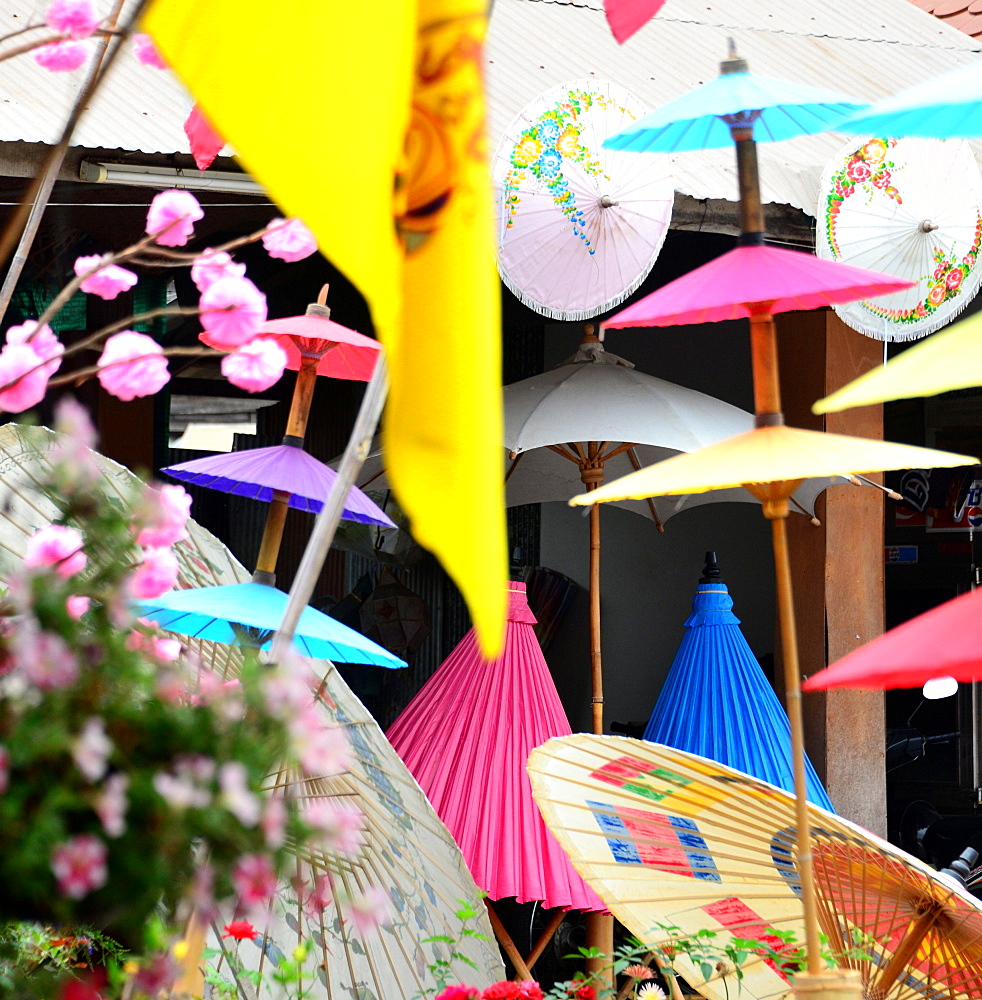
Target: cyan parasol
<point>248,614</point>
<point>716,701</point>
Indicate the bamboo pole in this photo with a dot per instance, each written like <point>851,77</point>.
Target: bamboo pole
<point>544,938</point>
<point>504,939</point>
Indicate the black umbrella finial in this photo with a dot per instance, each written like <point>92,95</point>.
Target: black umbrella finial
<point>711,572</point>
<point>732,63</point>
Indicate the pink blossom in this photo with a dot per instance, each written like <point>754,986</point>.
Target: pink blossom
<point>76,18</point>
<point>289,239</point>
<point>43,341</point>
<point>132,365</point>
<point>155,575</point>
<point>212,265</point>
<point>112,803</point>
<point>272,823</point>
<point>77,605</point>
<point>164,516</point>
<point>146,52</point>
<point>61,57</point>
<point>76,438</point>
<point>91,749</point>
<point>79,865</point>
<point>4,768</point>
<point>202,892</point>
<point>189,786</point>
<point>44,659</point>
<point>254,879</point>
<point>172,217</point>
<point>287,687</point>
<point>58,547</point>
<point>323,749</point>
<point>167,650</point>
<point>370,910</point>
<point>342,826</point>
<point>255,366</point>
<point>318,898</point>
<point>232,311</point>
<point>233,780</point>
<point>23,378</point>
<point>108,281</point>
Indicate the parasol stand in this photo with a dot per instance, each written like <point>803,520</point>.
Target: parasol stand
<point>311,352</point>
<point>774,500</point>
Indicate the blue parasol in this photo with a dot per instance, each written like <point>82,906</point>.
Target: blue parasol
<point>948,107</point>
<point>703,117</point>
<point>716,701</point>
<point>247,614</point>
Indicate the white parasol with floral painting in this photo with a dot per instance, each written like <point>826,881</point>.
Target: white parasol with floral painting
<point>580,226</point>
<point>912,208</point>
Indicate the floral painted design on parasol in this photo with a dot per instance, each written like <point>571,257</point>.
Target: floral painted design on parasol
<point>912,207</point>
<point>580,226</point>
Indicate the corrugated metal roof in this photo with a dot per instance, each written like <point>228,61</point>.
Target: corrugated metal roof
<point>137,108</point>
<point>867,51</point>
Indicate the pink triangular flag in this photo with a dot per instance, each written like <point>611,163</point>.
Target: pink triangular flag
<point>627,16</point>
<point>206,143</point>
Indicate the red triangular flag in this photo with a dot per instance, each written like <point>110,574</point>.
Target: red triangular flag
<point>206,143</point>
<point>627,16</point>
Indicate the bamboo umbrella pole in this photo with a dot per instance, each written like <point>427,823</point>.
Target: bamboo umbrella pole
<point>296,427</point>
<point>774,498</point>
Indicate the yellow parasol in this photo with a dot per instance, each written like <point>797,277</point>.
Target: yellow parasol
<point>948,360</point>
<point>672,840</point>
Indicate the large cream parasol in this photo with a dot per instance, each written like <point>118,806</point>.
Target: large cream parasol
<point>407,851</point>
<point>669,839</point>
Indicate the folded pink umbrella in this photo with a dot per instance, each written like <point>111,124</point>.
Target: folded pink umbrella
<point>466,738</point>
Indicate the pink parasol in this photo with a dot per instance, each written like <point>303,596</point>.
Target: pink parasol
<point>732,285</point>
<point>466,738</point>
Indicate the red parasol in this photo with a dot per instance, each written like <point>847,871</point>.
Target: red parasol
<point>943,642</point>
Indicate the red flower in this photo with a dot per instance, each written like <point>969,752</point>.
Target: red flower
<point>241,930</point>
<point>529,989</point>
<point>459,992</point>
<point>953,278</point>
<point>504,990</point>
<point>89,988</point>
<point>858,171</point>
<point>582,992</point>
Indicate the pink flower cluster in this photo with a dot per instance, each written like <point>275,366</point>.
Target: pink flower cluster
<point>155,575</point>
<point>79,865</point>
<point>132,365</point>
<point>56,547</point>
<point>31,355</point>
<point>341,827</point>
<point>108,281</point>
<point>164,516</point>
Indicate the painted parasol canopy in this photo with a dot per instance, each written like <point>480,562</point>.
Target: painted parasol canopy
<point>579,226</point>
<point>909,207</point>
<point>672,840</point>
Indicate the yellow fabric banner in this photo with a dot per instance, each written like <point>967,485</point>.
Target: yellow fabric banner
<point>367,123</point>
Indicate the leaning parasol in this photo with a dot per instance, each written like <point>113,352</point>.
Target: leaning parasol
<point>466,737</point>
<point>579,226</point>
<point>913,208</point>
<point>669,839</point>
<point>716,701</point>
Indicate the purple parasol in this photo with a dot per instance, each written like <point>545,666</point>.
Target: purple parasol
<point>258,472</point>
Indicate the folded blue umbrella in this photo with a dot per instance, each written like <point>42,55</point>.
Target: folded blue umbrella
<point>716,701</point>
<point>701,118</point>
<point>247,614</point>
